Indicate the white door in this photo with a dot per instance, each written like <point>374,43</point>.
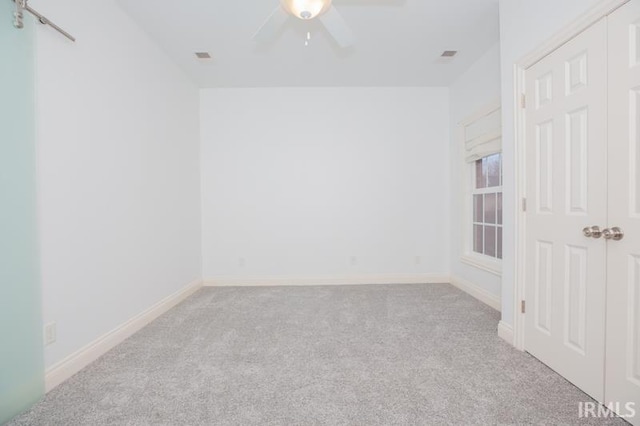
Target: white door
<point>623,292</point>
<point>567,191</point>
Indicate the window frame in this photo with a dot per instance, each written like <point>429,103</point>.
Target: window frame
<point>468,256</point>
<point>486,190</point>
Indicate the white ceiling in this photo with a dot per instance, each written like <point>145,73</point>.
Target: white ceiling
<point>398,42</point>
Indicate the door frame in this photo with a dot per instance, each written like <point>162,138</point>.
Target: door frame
<point>565,35</point>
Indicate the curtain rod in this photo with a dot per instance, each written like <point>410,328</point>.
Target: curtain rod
<point>18,15</point>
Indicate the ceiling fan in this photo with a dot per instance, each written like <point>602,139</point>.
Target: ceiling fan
<point>307,10</point>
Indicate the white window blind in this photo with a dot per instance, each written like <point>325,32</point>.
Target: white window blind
<point>483,136</point>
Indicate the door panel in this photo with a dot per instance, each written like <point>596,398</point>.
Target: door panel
<point>623,292</point>
<point>21,353</point>
<point>566,191</point>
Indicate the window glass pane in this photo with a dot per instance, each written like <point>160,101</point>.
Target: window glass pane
<point>490,208</point>
<point>478,240</point>
<point>493,170</point>
<point>477,208</point>
<point>490,245</point>
<point>481,178</point>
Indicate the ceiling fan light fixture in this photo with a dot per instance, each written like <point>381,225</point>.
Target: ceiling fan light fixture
<point>306,9</point>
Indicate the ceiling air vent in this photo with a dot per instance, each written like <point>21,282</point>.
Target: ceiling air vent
<point>449,53</point>
<point>203,55</point>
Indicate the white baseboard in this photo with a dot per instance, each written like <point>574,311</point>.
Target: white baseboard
<point>505,331</point>
<point>478,292</point>
<point>327,280</point>
<point>75,362</point>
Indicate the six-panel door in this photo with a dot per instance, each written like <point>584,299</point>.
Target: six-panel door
<point>566,192</point>
<point>623,279</point>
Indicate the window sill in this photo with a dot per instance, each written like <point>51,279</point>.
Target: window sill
<point>492,266</point>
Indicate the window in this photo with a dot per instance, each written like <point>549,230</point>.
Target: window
<point>487,206</point>
<point>481,155</point>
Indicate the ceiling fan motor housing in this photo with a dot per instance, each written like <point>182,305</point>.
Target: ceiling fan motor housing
<point>306,9</point>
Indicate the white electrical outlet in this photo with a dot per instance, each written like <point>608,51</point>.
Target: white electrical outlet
<point>242,262</point>
<point>418,260</point>
<point>49,333</point>
<point>354,261</point>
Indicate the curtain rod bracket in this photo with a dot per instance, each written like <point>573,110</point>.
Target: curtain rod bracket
<point>18,21</point>
<point>18,15</point>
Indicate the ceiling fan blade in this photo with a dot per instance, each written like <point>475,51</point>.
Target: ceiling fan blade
<point>271,27</point>
<point>337,27</point>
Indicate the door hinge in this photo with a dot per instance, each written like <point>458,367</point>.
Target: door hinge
<point>523,101</point>
<point>524,204</point>
<point>523,307</point>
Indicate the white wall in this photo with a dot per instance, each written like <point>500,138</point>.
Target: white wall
<point>524,25</point>
<point>118,173</point>
<point>474,90</point>
<point>296,182</point>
